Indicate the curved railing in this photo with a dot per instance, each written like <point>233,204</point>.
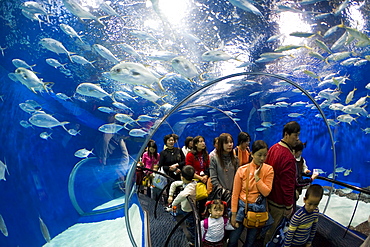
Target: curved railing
<point>130,188</point>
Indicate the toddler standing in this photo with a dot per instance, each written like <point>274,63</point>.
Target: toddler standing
<point>213,226</point>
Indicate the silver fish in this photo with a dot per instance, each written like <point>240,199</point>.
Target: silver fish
<point>34,8</point>
<point>30,80</point>
<point>134,74</point>
<point>246,6</point>
<point>347,172</point>
<point>45,135</point>
<point>25,124</point>
<point>137,133</point>
<point>104,52</point>
<point>130,50</point>
<point>44,230</point>
<point>20,63</point>
<point>294,114</point>
<point>215,56</point>
<point>81,60</point>
<point>145,118</point>
<point>255,93</point>
<point>124,118</point>
<point>32,16</point>
<point>62,96</point>
<point>267,124</point>
<point>54,63</point>
<point>3,228</point>
<point>83,153</point>
<point>346,118</point>
<point>108,9</point>
<point>146,94</point>
<point>367,130</point>
<point>70,31</point>
<point>336,107</point>
<point>162,55</point>
<point>91,90</point>
<point>80,11</point>
<point>350,96</point>
<point>73,132</point>
<point>44,120</point>
<point>184,67</point>
<point>110,128</point>
<point>122,96</point>
<point>122,106</point>
<point>143,35</point>
<point>55,46</point>
<point>106,109</point>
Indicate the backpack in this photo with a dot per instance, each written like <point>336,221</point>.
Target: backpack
<point>206,226</point>
<point>278,237</point>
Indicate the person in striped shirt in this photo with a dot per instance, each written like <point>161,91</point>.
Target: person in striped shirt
<point>303,225</point>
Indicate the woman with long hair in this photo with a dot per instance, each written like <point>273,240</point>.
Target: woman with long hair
<point>224,165</point>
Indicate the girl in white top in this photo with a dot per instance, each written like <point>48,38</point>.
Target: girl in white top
<point>213,227</point>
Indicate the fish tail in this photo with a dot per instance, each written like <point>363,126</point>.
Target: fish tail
<point>160,84</point>
<point>64,123</point>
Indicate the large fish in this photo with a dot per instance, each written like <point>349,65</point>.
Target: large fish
<point>20,63</point>
<point>80,12</point>
<point>91,90</point>
<point>34,8</point>
<point>30,80</point>
<point>55,46</point>
<point>133,73</point>
<point>106,53</point>
<point>70,31</point>
<point>32,16</point>
<point>184,67</point>
<point>44,120</point>
<point>147,94</point>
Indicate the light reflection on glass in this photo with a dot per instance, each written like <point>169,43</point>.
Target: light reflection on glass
<point>174,10</point>
<point>292,22</point>
<point>90,3</point>
<point>356,19</point>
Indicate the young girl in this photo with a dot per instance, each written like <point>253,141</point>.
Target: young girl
<point>213,226</point>
<point>150,159</point>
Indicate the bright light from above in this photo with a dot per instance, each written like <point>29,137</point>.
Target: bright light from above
<point>356,18</point>
<point>292,22</point>
<point>91,3</point>
<point>174,10</point>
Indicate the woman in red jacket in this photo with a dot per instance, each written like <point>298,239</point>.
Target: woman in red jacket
<point>199,159</point>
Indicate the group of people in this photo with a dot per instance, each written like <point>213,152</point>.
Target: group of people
<point>239,180</point>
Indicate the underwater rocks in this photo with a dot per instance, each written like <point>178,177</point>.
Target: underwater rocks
<point>353,196</point>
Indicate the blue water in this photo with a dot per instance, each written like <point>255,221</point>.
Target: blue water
<point>39,170</point>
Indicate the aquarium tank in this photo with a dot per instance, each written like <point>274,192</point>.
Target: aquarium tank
<point>86,83</point>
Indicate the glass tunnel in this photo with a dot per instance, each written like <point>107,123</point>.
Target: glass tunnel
<point>79,75</point>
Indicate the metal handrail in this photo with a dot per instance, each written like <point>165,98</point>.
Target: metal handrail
<point>198,237</point>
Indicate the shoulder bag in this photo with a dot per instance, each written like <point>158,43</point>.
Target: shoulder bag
<point>253,219</point>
